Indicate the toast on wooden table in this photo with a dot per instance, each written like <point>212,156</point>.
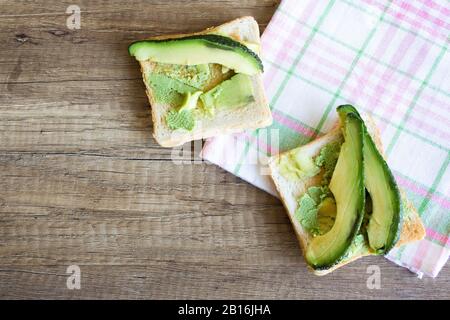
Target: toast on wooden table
<point>291,190</point>
<point>251,114</point>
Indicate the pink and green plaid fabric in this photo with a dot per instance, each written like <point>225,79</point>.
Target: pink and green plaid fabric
<point>388,58</point>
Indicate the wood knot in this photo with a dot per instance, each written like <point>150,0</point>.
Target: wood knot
<point>58,33</point>
<point>22,38</point>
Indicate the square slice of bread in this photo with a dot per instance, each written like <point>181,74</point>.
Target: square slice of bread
<point>290,191</point>
<point>225,121</point>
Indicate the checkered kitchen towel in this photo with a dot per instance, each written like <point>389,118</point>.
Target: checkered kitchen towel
<point>388,58</point>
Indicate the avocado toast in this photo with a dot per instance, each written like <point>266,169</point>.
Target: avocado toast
<point>341,196</point>
<point>204,84</point>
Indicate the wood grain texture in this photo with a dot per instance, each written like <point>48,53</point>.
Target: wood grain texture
<point>83,182</point>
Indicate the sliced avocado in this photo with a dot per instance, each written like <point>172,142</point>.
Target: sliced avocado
<point>199,49</point>
<point>384,223</point>
<point>255,47</point>
<point>190,101</point>
<point>234,92</point>
<point>347,186</point>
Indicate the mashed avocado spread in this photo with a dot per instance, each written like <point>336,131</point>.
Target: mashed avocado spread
<point>296,165</point>
<point>176,85</point>
<point>327,159</point>
<point>317,209</point>
<point>232,93</point>
<point>183,117</point>
<point>180,119</point>
<point>194,76</point>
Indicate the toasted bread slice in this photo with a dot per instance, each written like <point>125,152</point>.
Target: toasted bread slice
<point>251,116</point>
<point>290,191</point>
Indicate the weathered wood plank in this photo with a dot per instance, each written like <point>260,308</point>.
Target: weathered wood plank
<point>36,36</point>
<point>238,280</point>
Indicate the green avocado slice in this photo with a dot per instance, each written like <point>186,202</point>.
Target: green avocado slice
<point>232,93</point>
<point>199,49</point>
<point>383,228</point>
<point>347,186</point>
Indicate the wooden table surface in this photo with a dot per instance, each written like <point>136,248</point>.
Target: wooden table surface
<point>82,182</point>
